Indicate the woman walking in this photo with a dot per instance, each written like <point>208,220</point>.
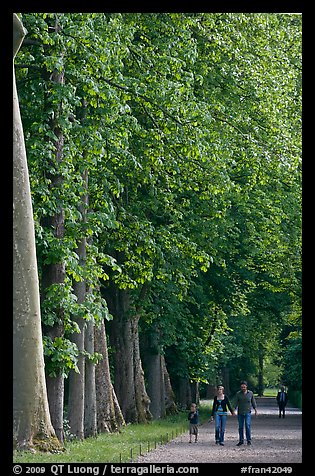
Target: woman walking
<point>221,404</point>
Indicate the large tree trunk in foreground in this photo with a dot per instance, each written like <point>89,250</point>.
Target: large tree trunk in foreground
<point>32,428</point>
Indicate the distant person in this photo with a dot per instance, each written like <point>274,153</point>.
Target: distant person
<point>193,417</point>
<point>221,404</point>
<point>282,400</point>
<point>244,402</point>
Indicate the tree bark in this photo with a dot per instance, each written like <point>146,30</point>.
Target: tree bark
<point>32,427</point>
<point>155,384</point>
<point>141,397</point>
<point>54,273</point>
<point>55,392</point>
<point>184,392</point>
<point>194,392</point>
<point>170,404</point>
<point>261,353</point>
<point>109,415</point>
<point>154,372</point>
<point>77,380</point>
<point>90,425</point>
<point>211,391</point>
<point>128,374</point>
<point>226,379</point>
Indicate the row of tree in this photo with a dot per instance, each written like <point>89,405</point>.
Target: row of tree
<point>164,159</point>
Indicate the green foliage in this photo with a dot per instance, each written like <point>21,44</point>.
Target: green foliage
<point>293,363</point>
<point>181,167</point>
<point>62,356</point>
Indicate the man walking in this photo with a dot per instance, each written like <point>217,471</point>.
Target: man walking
<point>282,400</point>
<point>244,401</point>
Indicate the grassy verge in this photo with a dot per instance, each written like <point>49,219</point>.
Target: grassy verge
<point>270,392</point>
<point>124,446</point>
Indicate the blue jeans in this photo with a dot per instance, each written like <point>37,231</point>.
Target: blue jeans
<point>220,423</point>
<point>244,419</point>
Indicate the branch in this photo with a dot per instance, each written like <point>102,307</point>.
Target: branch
<point>145,98</point>
<point>222,119</point>
<point>28,41</point>
<point>210,335</point>
<point>29,66</point>
<point>18,34</point>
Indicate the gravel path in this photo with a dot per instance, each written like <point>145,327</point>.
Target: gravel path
<point>274,440</point>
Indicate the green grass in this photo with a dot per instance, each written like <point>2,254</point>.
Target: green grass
<point>270,392</point>
<point>122,446</point>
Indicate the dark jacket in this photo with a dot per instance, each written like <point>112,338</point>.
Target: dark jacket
<point>285,401</point>
<point>193,417</point>
<point>225,404</point>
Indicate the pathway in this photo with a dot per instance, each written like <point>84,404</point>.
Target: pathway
<point>274,440</point>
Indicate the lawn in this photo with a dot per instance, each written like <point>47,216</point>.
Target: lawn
<point>124,446</point>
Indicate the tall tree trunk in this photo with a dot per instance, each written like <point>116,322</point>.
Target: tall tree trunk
<point>128,374</point>
<point>155,384</point>
<point>154,372</point>
<point>141,397</point>
<point>194,392</point>
<point>170,405</point>
<point>118,413</point>
<point>211,391</point>
<point>90,424</point>
<point>55,384</point>
<point>32,427</point>
<point>77,380</point>
<point>184,392</point>
<point>54,273</point>
<point>109,415</point>
<point>261,370</point>
<point>226,379</point>
<point>55,392</point>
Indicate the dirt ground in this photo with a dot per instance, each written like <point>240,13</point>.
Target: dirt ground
<point>274,440</point>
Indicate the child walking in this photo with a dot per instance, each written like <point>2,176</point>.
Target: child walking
<point>193,417</point>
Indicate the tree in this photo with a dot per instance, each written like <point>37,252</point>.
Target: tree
<point>32,428</point>
<point>53,271</point>
<point>109,415</point>
<point>129,381</point>
<point>60,167</point>
<point>190,216</point>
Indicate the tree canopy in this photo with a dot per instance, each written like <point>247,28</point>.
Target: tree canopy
<point>181,167</point>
